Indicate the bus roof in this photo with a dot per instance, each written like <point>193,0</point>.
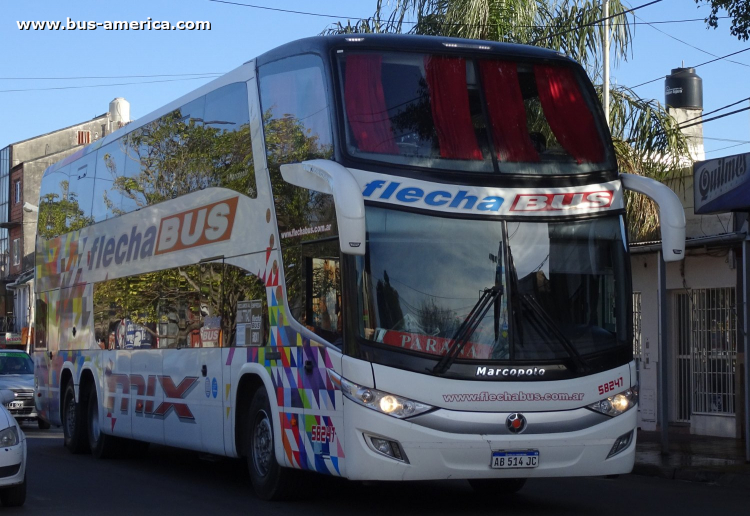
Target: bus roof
<point>434,44</point>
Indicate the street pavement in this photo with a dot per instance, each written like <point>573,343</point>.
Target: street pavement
<point>693,458</point>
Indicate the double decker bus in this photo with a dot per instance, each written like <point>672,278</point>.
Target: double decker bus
<point>374,257</point>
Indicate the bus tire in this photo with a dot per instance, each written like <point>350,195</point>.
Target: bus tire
<point>102,446</point>
<point>270,481</point>
<point>74,426</point>
<point>492,486</point>
<point>14,496</point>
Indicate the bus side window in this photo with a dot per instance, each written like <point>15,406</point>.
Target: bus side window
<point>323,297</point>
<point>80,197</point>
<point>244,309</point>
<point>227,126</point>
<point>164,158</point>
<point>52,201</point>
<point>296,119</point>
<point>40,324</point>
<point>313,282</point>
<point>110,164</point>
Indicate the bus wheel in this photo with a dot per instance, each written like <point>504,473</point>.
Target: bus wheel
<point>270,481</point>
<point>497,485</point>
<point>74,429</point>
<point>102,446</point>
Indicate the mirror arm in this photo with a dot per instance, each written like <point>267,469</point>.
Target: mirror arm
<point>330,177</point>
<point>671,213</point>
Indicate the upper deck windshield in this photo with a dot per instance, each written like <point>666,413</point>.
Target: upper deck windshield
<point>470,115</point>
<point>549,291</point>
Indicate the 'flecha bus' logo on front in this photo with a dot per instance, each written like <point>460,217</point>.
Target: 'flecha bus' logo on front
<point>378,190</point>
<point>563,201</point>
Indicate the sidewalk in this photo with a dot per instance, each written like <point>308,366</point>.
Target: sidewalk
<point>693,458</point>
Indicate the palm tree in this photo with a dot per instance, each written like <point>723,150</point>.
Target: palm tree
<point>646,138</point>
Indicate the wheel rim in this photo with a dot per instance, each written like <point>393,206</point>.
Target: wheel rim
<point>70,416</point>
<point>262,444</point>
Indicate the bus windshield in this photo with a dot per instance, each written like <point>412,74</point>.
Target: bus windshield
<point>470,115</point>
<point>556,290</point>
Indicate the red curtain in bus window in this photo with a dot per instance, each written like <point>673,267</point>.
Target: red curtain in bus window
<point>507,112</point>
<point>567,113</point>
<point>449,98</point>
<point>365,104</point>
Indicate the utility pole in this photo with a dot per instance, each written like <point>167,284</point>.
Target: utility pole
<point>605,45</point>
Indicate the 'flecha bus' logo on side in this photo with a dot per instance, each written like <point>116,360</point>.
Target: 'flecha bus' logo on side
<point>563,201</point>
<point>393,191</point>
<point>200,226</point>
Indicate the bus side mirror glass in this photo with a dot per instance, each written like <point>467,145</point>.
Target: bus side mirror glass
<point>329,177</point>
<point>671,214</point>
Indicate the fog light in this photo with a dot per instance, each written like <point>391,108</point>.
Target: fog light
<point>621,443</point>
<point>388,448</point>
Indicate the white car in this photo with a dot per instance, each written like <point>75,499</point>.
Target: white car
<point>12,456</point>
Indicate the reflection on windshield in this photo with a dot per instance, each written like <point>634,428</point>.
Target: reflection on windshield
<point>423,275</point>
<point>422,279</point>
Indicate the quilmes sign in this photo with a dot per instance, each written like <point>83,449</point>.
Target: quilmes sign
<point>722,184</point>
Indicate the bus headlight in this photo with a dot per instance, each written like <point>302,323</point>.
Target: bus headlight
<point>384,402</point>
<point>617,403</point>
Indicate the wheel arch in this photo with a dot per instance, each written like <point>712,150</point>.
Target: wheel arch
<point>251,378</point>
<point>80,390</point>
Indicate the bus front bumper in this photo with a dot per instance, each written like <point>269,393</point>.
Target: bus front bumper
<point>430,454</point>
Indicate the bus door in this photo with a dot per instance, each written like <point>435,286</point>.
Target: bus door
<point>323,423</point>
<point>42,365</point>
<point>193,415</point>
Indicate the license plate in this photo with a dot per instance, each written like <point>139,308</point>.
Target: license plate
<point>15,404</point>
<point>515,459</point>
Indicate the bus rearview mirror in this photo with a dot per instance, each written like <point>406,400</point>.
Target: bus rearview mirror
<point>671,214</point>
<point>329,177</point>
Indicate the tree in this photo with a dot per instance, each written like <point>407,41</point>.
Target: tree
<point>59,214</point>
<point>739,11</point>
<point>646,138</point>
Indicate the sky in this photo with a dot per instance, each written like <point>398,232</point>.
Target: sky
<point>239,33</point>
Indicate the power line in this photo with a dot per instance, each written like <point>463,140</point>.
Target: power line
<point>287,10</point>
<point>696,66</point>
<point>722,108</point>
<point>322,15</point>
<point>596,22</point>
<point>725,148</point>
<point>101,85</point>
<point>714,118</point>
<point>725,140</point>
<point>685,42</point>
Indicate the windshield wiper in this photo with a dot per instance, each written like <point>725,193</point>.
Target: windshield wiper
<point>468,327</point>
<point>536,309</point>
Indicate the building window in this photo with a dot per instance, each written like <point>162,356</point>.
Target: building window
<point>84,137</point>
<point>16,251</point>
<point>17,192</point>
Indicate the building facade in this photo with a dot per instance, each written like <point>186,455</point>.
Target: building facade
<point>703,302</point>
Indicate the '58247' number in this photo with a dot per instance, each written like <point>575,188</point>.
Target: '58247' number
<point>611,386</point>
